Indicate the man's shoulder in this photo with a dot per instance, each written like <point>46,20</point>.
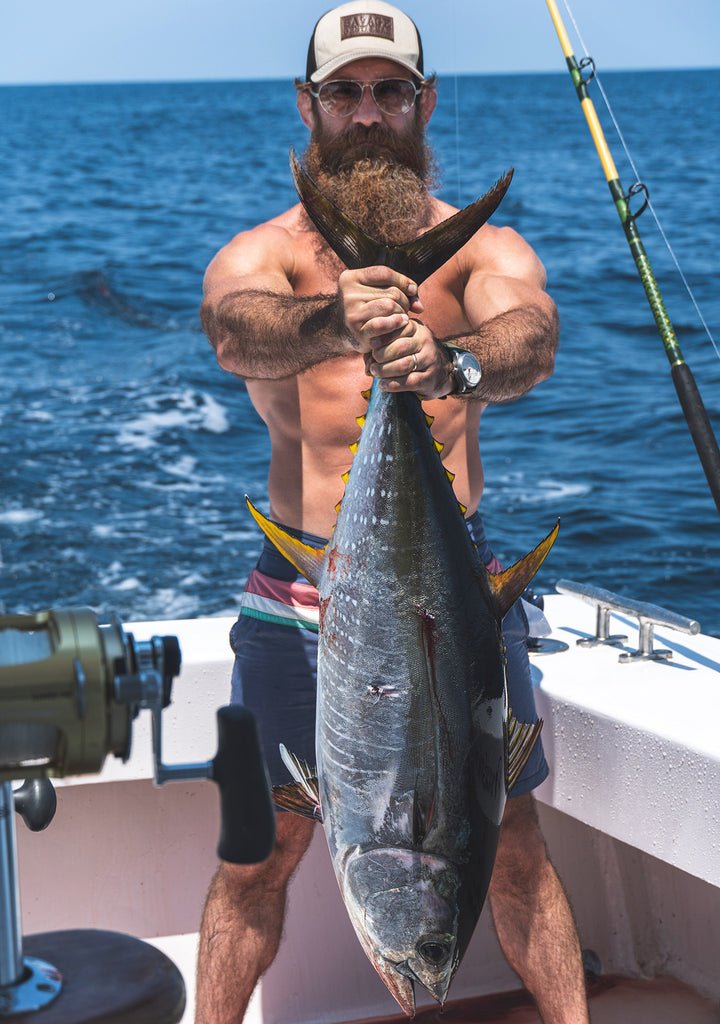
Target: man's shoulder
<point>282,230</point>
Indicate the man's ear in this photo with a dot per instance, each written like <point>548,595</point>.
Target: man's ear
<point>305,106</point>
<point>428,102</point>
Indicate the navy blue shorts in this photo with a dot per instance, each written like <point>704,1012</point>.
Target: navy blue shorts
<point>275,644</point>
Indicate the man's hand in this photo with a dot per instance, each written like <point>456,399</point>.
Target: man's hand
<point>401,352</point>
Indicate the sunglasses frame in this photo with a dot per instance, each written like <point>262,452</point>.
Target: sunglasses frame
<point>363,87</point>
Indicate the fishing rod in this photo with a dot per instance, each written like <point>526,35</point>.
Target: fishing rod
<point>683,379</point>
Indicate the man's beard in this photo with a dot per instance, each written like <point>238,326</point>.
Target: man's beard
<point>378,178</point>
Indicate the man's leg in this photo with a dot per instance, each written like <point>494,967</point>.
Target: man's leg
<point>533,919</point>
<point>242,924</point>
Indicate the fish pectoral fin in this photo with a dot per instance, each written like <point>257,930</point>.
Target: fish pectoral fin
<point>293,797</point>
<point>522,737</point>
<point>508,585</point>
<point>301,796</point>
<point>306,559</point>
<point>422,819</point>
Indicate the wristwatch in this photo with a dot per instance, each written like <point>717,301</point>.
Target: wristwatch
<point>466,370</point>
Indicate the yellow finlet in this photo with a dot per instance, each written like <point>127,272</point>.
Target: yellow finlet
<point>449,475</point>
<point>463,508</point>
<point>366,394</point>
<point>345,476</point>
<point>360,420</point>
<point>353,447</point>
<point>306,559</point>
<point>429,419</point>
<point>438,446</point>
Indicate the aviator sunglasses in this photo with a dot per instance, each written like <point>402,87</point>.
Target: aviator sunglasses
<point>342,98</point>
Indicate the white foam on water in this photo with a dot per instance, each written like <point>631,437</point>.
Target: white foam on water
<point>20,516</point>
<point>194,410</point>
<point>102,530</point>
<point>520,488</point>
<point>39,415</point>
<point>184,466</point>
<point>132,583</point>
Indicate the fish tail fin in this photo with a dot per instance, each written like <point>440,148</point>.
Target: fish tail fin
<point>424,255</point>
<point>301,796</point>
<point>521,739</point>
<point>417,259</point>
<point>508,585</point>
<point>306,559</point>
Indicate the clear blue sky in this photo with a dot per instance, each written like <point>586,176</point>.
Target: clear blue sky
<point>148,40</point>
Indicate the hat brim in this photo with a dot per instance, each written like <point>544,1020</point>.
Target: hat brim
<point>349,58</point>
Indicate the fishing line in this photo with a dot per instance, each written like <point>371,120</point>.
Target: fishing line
<point>621,137</point>
<point>457,109</point>
<point>457,139</point>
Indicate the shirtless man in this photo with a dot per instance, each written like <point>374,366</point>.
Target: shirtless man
<point>282,314</point>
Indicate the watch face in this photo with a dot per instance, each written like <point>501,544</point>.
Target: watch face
<point>469,366</point>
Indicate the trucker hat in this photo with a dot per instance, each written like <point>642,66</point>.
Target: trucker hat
<point>363,28</point>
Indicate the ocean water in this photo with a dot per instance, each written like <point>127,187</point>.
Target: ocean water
<point>126,451</point>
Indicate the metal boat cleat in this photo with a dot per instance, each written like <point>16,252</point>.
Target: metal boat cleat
<point>648,616</point>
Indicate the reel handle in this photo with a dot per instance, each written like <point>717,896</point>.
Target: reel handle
<point>247,816</point>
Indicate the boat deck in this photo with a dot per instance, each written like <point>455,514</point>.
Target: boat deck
<point>613,1000</point>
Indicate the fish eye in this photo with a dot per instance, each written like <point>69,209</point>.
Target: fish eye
<point>434,953</point>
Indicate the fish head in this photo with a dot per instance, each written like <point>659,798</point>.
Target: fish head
<point>404,906</point>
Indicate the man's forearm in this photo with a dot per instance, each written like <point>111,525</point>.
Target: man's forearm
<point>516,351</point>
<point>264,335</point>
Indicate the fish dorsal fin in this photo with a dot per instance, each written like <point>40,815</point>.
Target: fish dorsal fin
<point>508,585</point>
<point>522,737</point>
<point>419,258</point>
<point>306,559</point>
<point>301,796</point>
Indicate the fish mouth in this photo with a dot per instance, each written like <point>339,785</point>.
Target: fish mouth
<point>432,965</point>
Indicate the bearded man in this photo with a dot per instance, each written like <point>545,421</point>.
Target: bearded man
<point>283,315</point>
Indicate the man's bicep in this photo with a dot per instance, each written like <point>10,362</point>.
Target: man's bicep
<point>249,262</point>
<point>507,275</point>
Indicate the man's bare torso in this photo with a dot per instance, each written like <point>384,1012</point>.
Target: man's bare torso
<point>311,417</point>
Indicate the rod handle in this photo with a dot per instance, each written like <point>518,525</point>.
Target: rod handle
<point>247,825</point>
<point>700,426</point>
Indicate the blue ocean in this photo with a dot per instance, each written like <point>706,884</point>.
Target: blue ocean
<point>126,451</point>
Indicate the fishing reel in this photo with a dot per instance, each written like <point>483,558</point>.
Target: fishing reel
<point>70,690</point>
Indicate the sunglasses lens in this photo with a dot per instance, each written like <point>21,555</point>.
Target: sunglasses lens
<point>394,95</point>
<point>342,98</point>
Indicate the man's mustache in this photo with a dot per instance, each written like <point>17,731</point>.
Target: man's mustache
<point>370,142</point>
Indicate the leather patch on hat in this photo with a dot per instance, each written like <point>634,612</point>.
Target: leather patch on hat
<point>380,25</point>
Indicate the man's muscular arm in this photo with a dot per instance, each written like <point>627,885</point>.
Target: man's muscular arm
<point>515,348</point>
<point>257,324</point>
<point>259,334</point>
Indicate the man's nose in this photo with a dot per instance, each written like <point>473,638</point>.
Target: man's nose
<point>367,112</point>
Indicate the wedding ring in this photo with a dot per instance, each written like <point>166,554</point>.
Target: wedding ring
<point>415,363</point>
